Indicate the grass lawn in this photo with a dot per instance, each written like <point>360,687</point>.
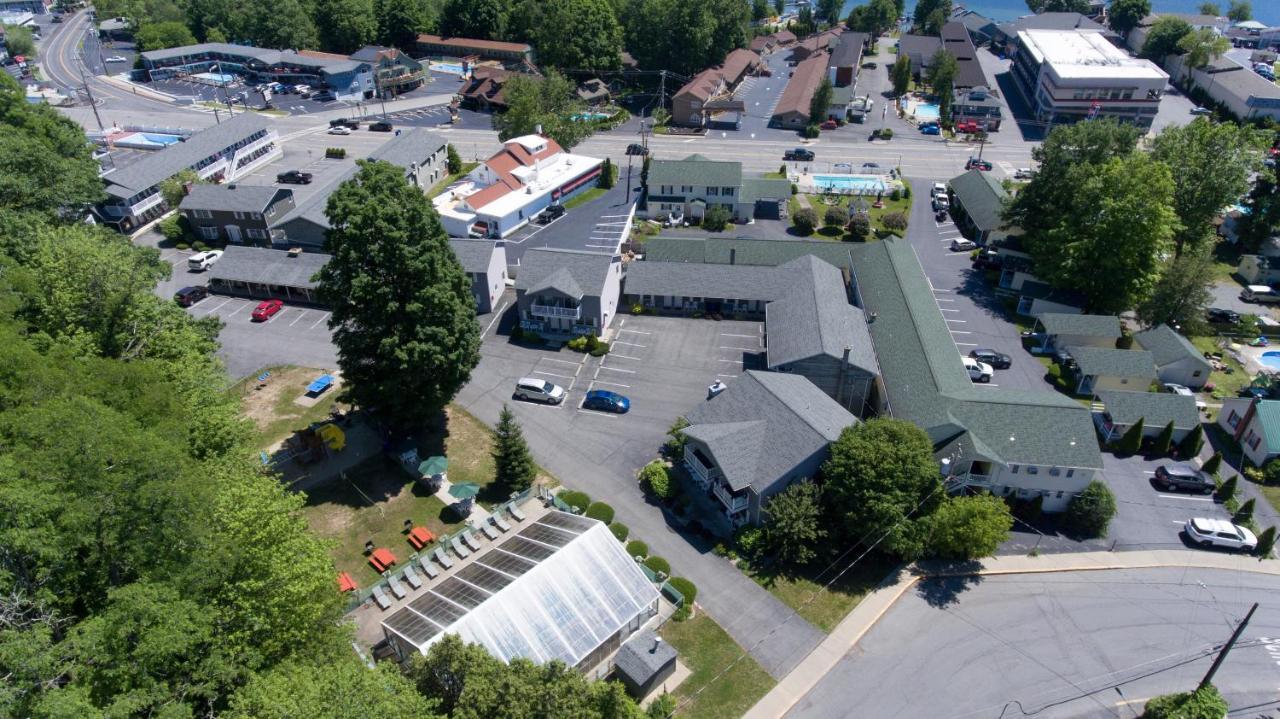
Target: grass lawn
<point>902,204</point>
<point>775,176</point>
<point>273,409</point>
<point>707,650</point>
<point>824,609</point>
<point>1226,256</point>
<point>446,181</point>
<point>585,197</point>
<point>1224,384</point>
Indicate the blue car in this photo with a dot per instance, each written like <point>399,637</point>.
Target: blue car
<point>606,401</point>
<point>930,130</point>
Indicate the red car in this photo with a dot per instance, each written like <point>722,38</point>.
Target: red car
<point>829,125</point>
<point>976,164</point>
<point>266,310</point>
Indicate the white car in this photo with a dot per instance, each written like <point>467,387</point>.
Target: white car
<point>117,58</point>
<point>961,244</point>
<point>1024,173</point>
<point>1184,391</point>
<point>1220,533</point>
<point>939,188</point>
<point>203,260</point>
<point>978,371</point>
<point>340,130</point>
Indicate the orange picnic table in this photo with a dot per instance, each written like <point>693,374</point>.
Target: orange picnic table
<point>420,537</point>
<point>382,559</point>
<point>346,583</point>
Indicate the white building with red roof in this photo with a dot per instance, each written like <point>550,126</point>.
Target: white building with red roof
<point>529,174</point>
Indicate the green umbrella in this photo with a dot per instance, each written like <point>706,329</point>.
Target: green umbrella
<point>464,490</point>
<point>433,466</point>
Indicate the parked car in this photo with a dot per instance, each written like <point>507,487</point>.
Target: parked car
<point>799,154</point>
<point>1222,315</point>
<point>201,261</point>
<point>1024,173</point>
<point>988,259</point>
<point>829,125</point>
<point>940,216</point>
<point>1259,294</point>
<point>294,177</point>
<point>941,202</point>
<point>188,296</point>
<point>345,122</point>
<point>869,66</point>
<point>267,309</point>
<point>978,164</point>
<point>939,188</point>
<point>552,213</point>
<point>930,130</point>
<point>538,390</point>
<point>382,126</point>
<point>324,96</point>
<point>636,148</point>
<point>997,360</point>
<point>117,58</point>
<point>1219,533</point>
<point>1184,476</point>
<point>963,244</point>
<point>303,90</point>
<point>606,401</point>
<point>340,130</point>
<point>1185,391</point>
<point>978,371</point>
<point>1201,111</point>
<point>57,19</point>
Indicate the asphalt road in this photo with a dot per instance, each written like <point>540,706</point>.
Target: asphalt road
<point>1075,644</point>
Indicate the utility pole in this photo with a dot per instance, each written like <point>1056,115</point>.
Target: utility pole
<point>1222,655</point>
<point>92,103</point>
<point>662,89</point>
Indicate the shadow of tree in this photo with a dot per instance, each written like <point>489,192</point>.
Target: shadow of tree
<point>942,592</point>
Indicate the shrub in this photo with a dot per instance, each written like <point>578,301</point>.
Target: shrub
<point>637,309</point>
<point>658,565</point>
<point>656,480</point>
<point>335,153</point>
<point>1212,464</point>
<point>887,133</point>
<point>795,189</point>
<point>600,511</point>
<point>716,218</point>
<point>751,541</point>
<point>173,227</point>
<point>182,246</point>
<point>1206,703</point>
<point>686,588</point>
<point>894,221</point>
<point>1131,442</point>
<point>674,446</point>
<point>1091,511</point>
<point>636,548</point>
<point>680,615</point>
<point>576,499</point>
<point>906,189</point>
<point>1227,490</point>
<point>199,246</point>
<point>1271,472</point>
<point>601,349</point>
<point>1191,444</point>
<point>1244,515</point>
<point>810,132</point>
<point>895,195</point>
<point>1161,446</point>
<point>1266,541</point>
<point>620,531</point>
<point>835,216</point>
<point>577,344</point>
<point>859,227</point>
<point>782,170</point>
<point>805,220</point>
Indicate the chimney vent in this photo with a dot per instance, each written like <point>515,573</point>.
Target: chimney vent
<point>657,642</point>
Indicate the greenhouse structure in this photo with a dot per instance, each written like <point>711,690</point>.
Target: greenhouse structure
<point>562,588</point>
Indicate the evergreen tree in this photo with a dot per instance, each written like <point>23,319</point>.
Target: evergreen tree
<point>453,160</point>
<point>1245,514</point>
<point>1213,463</point>
<point>1163,440</point>
<point>1190,445</point>
<point>1266,541</point>
<point>608,174</point>
<point>1131,442</point>
<point>820,103</point>
<point>1227,490</point>
<point>512,463</point>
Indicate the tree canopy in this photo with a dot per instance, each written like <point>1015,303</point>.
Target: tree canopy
<point>1164,36</point>
<point>575,34</point>
<point>1202,46</point>
<point>548,102</point>
<point>1039,6</point>
<point>1124,15</point>
<point>685,37</point>
<point>1240,11</point>
<point>163,35</point>
<point>876,17</point>
<point>969,527</point>
<point>483,19</point>
<point>930,15</point>
<point>794,529</point>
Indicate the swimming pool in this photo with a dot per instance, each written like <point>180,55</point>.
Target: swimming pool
<point>162,139</point>
<point>454,68</point>
<point>865,184</point>
<point>926,111</point>
<point>590,116</point>
<point>1270,359</point>
<point>214,78</point>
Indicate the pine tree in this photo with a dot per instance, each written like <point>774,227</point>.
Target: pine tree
<point>607,174</point>
<point>1191,444</point>
<point>1245,513</point>
<point>1213,463</point>
<point>513,466</point>
<point>1266,541</point>
<point>1163,440</point>
<point>453,160</point>
<point>1131,442</point>
<point>1227,490</point>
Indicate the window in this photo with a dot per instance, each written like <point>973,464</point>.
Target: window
<point>256,234</point>
<point>238,215</point>
<point>1253,444</point>
<point>726,191</point>
<point>1013,469</point>
<point>713,191</point>
<point>1233,419</point>
<point>1196,373</point>
<point>255,215</point>
<point>1059,494</point>
<point>202,214</point>
<point>1033,470</point>
<point>1054,471</point>
<point>1071,472</point>
<point>209,233</point>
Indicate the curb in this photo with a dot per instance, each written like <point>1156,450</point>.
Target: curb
<point>821,659</point>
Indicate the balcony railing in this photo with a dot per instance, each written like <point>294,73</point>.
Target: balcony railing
<point>553,311</point>
<point>731,503</point>
<point>147,203</point>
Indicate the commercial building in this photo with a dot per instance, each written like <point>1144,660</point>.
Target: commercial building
<point>485,262</point>
<point>263,272</point>
<point>919,49</point>
<point>709,95</point>
<point>969,74</point>
<point>34,7</point>
<point>977,205</point>
<point>1238,89</point>
<point>1004,35</point>
<point>1072,75</point>
<point>222,153</point>
<point>483,90</point>
<point>509,189</point>
<point>394,72</point>
<point>346,78</point>
<point>462,47</point>
<point>816,44</point>
<point>792,110</point>
<point>567,292</point>
<point>690,186</point>
<point>235,213</point>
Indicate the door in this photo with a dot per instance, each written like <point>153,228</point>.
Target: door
<point>233,234</point>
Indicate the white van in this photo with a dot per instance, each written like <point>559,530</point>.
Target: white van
<point>538,390</point>
<point>202,261</point>
<point>1260,294</point>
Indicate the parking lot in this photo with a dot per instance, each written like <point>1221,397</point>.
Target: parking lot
<point>595,226</point>
<point>294,104</point>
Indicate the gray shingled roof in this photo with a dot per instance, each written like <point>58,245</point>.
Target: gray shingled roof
<point>264,55</point>
<point>764,425</point>
<point>697,279</point>
<point>695,170</point>
<point>760,188</point>
<point>982,198</point>
<point>1154,409</point>
<point>230,198</point>
<point>1100,362</point>
<point>848,50</point>
<point>744,251</point>
<point>815,318</point>
<point>639,660</point>
<point>262,266</point>
<point>573,272</point>
<point>154,169</point>
<point>922,46</point>
<point>1053,21</point>
<point>1167,346</point>
<point>474,255</point>
<point>1059,323</point>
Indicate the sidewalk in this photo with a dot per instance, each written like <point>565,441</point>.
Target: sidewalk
<point>824,657</point>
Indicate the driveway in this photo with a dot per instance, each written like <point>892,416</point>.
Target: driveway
<point>1074,644</point>
<point>664,365</point>
<point>594,226</point>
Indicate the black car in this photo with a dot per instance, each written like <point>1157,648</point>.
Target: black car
<point>294,177</point>
<point>324,96</point>
<point>1185,476</point>
<point>869,66</point>
<point>1219,314</point>
<point>188,296</point>
<point>381,127</point>
<point>636,148</point>
<point>345,122</point>
<point>798,155</point>
<point>998,360</point>
<point>553,212</point>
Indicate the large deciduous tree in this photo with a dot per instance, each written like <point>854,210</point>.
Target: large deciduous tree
<point>345,25</point>
<point>941,76</point>
<point>829,11</point>
<point>686,37</point>
<point>794,528</point>
<point>1078,6</point>
<point>403,314</point>
<point>1202,46</point>
<point>969,527</point>
<point>335,689</point>
<point>401,21</point>
<point>285,24</point>
<point>577,34</point>
<point>1124,15</point>
<point>876,18</point>
<point>163,35</point>
<point>548,102</point>
<point>924,16</point>
<point>1240,11</point>
<point>901,75</point>
<point>1163,37</point>
<point>880,479</point>
<point>1182,293</point>
<point>483,19</point>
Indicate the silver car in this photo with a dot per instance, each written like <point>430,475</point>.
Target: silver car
<point>1220,533</point>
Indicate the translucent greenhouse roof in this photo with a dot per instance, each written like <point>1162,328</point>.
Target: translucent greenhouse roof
<point>556,589</point>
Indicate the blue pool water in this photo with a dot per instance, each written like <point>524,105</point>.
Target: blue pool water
<point>450,67</point>
<point>1270,359</point>
<point>162,139</point>
<point>856,183</point>
<point>589,116</point>
<point>926,111</point>
<point>221,78</point>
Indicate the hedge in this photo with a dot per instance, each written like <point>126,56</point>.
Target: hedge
<point>1204,703</point>
<point>636,548</point>
<point>576,499</point>
<point>687,589</point>
<point>658,564</point>
<point>600,511</point>
<point>620,531</point>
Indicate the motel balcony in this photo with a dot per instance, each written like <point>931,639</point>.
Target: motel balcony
<point>967,480</point>
<point>704,471</point>
<point>142,205</point>
<point>733,503</point>
<point>554,311</point>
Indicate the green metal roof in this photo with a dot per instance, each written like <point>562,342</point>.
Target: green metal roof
<point>1167,346</point>
<point>1057,323</point>
<point>982,197</point>
<point>1269,418</point>
<point>1154,409</point>
<point>1099,362</point>
<point>695,170</point>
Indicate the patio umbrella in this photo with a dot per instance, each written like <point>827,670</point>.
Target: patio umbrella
<point>433,466</point>
<point>464,490</point>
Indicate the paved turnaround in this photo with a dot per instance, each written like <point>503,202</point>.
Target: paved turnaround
<point>1087,634</point>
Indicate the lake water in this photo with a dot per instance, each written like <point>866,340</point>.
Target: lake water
<point>1266,11</point>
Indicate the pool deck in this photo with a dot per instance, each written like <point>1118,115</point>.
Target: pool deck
<point>805,184</point>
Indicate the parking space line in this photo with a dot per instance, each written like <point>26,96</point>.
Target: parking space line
<point>553,359</point>
<point>960,332</point>
<point>598,413</point>
<point>966,344</point>
<point>935,289</point>
<point>731,361</point>
<point>215,309</point>
<point>241,307</point>
<point>496,316</point>
<point>553,374</point>
<point>629,344</point>
<point>943,309</point>
<point>323,317</point>
<point>726,334</point>
<point>1179,496</point>
<point>741,349</point>
<point>602,247</point>
<point>985,384</point>
<point>944,299</point>
<point>616,369</point>
<point>295,321</point>
<point>962,321</point>
<point>635,331</point>
<point>615,354</point>
<point>611,384</point>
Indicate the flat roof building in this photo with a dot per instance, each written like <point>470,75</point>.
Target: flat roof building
<point>1071,75</point>
<point>346,78</point>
